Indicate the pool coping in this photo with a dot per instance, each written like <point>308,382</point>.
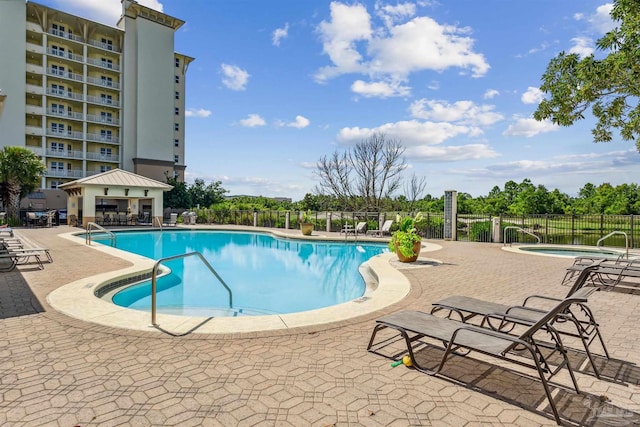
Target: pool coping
<point>386,285</point>
<point>518,249</point>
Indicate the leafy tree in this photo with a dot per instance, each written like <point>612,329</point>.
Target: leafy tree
<point>178,196</point>
<point>361,178</point>
<point>608,85</point>
<point>20,173</point>
<point>205,196</point>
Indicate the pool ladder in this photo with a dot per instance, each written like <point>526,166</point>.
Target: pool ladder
<point>91,226</point>
<point>154,274</point>
<point>626,240</point>
<point>513,227</point>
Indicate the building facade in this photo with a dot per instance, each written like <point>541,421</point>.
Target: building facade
<point>89,97</point>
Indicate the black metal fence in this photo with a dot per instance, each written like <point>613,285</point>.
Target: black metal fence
<point>552,229</point>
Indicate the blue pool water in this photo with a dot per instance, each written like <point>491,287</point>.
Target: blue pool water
<point>266,275</point>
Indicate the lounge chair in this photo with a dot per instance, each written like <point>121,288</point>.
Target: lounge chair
<point>607,272</point>
<point>493,314</point>
<point>384,230</point>
<point>423,328</point>
<point>22,256</point>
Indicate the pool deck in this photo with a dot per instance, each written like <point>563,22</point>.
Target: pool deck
<point>59,370</point>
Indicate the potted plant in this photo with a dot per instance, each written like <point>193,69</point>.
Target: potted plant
<point>406,242</point>
<point>305,223</point>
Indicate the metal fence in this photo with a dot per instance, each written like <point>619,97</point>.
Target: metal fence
<point>552,229</point>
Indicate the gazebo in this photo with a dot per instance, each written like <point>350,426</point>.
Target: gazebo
<point>117,191</point>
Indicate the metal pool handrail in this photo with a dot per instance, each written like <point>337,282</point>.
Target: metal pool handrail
<point>626,240</point>
<point>90,226</point>
<point>154,274</point>
<point>513,227</point>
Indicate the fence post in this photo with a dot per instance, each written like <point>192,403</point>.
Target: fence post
<point>632,243</point>
<point>573,229</point>
<point>546,228</point>
<point>255,218</point>
<point>287,220</point>
<point>328,222</point>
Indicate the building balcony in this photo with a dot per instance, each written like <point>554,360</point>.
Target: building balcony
<point>68,114</point>
<point>104,83</point>
<point>103,64</point>
<point>61,173</point>
<point>66,35</point>
<point>64,134</point>
<point>34,110</point>
<point>35,90</point>
<point>65,154</point>
<point>66,55</point>
<point>105,46</point>
<point>65,75</point>
<point>96,137</point>
<point>32,130</point>
<point>35,48</point>
<point>103,101</point>
<point>62,94</point>
<point>35,150</point>
<point>34,69</point>
<point>101,119</point>
<point>33,27</point>
<point>102,157</point>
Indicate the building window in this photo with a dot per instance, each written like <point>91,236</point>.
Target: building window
<point>54,184</point>
<point>106,99</point>
<point>107,63</point>
<point>57,70</point>
<point>106,81</point>
<point>104,168</point>
<point>106,135</point>
<point>57,109</point>
<point>176,143</point>
<point>176,127</point>
<point>106,117</point>
<point>107,44</point>
<point>176,158</point>
<point>178,79</point>
<point>177,62</point>
<point>57,147</point>
<point>177,95</point>
<point>105,153</point>
<point>177,110</point>
<point>57,89</point>
<point>57,128</point>
<point>57,166</point>
<point>57,30</point>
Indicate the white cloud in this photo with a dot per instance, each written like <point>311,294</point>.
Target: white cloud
<point>529,127</point>
<point>601,19</point>
<point>105,11</point>
<point>463,112</point>
<point>490,94</point>
<point>252,121</point>
<point>391,14</point>
<point>200,112</point>
<point>235,78</point>
<point>380,89</point>
<point>583,46</point>
<point>300,122</point>
<point>533,95</point>
<point>451,153</point>
<point>279,34</point>
<point>394,51</point>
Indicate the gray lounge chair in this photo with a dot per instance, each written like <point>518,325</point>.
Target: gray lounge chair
<point>424,328</point>
<point>384,230</point>
<point>492,314</point>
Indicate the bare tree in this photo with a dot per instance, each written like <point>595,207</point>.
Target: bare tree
<point>362,177</point>
<point>414,189</point>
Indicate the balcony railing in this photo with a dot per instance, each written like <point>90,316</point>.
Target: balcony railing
<point>103,157</point>
<point>36,48</point>
<point>37,90</point>
<point>102,119</point>
<point>69,114</point>
<point>64,133</point>
<point>103,64</point>
<point>67,154</point>
<point>33,130</point>
<point>65,74</point>
<point>65,35</point>
<point>105,83</point>
<point>103,138</point>
<point>65,94</point>
<point>101,45</point>
<point>64,54</point>
<point>103,101</point>
<point>61,173</point>
<point>34,69</point>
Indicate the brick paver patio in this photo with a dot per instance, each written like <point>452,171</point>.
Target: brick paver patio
<point>59,371</point>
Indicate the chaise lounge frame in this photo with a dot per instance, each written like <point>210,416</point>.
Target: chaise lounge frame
<point>453,335</point>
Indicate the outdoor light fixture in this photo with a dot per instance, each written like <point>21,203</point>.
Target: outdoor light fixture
<point>146,192</point>
<point>126,191</point>
<point>106,191</point>
<point>3,98</point>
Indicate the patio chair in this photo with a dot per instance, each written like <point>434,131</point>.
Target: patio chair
<point>384,230</point>
<point>16,257</point>
<point>419,328</point>
<point>173,220</point>
<point>607,272</point>
<point>493,314</point>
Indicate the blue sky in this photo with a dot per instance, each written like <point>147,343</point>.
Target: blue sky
<point>278,84</point>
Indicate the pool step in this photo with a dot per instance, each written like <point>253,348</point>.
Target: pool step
<point>213,311</point>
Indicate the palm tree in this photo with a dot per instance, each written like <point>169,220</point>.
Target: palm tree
<point>20,173</point>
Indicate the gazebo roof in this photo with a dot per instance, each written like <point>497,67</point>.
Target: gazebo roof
<point>117,177</point>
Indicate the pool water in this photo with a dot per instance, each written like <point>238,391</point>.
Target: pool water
<point>266,275</point>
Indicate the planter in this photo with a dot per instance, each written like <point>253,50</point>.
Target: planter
<point>307,228</point>
<point>416,249</point>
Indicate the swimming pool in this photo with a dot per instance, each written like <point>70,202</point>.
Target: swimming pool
<point>566,251</point>
<point>266,274</point>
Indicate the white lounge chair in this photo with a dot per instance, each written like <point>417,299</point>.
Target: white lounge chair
<point>384,230</point>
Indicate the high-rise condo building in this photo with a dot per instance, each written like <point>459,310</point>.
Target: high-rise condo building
<point>89,97</point>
